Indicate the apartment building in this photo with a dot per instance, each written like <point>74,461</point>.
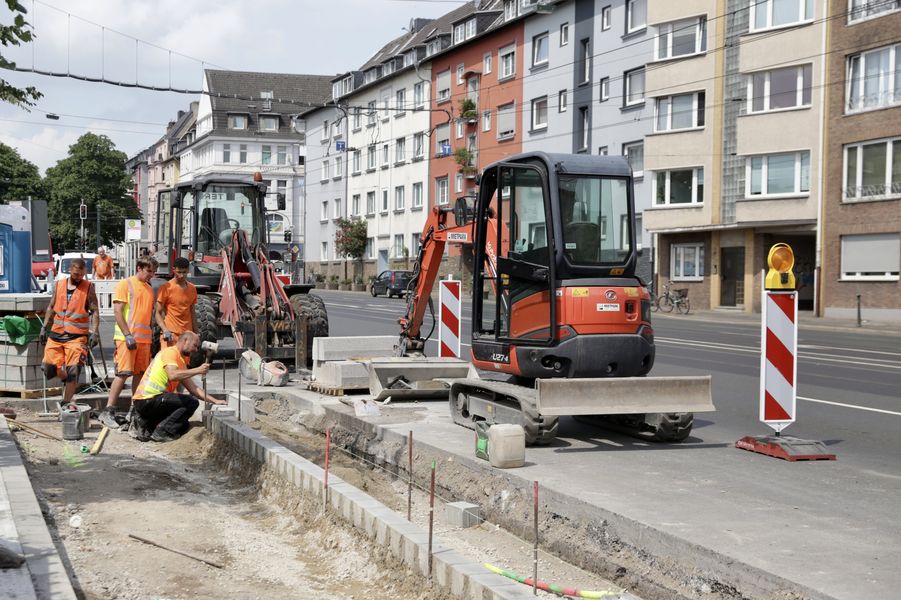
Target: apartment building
<point>325,190</point>
<point>862,201</point>
<point>734,156</point>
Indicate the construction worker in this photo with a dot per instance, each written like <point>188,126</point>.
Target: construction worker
<point>103,264</point>
<point>175,304</point>
<point>160,413</point>
<point>133,309</point>
<point>73,320</point>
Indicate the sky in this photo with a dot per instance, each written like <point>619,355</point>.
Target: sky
<point>175,40</point>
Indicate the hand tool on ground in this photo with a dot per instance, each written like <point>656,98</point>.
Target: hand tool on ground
<point>98,445</point>
<point>197,558</point>
<point>34,430</point>
<point>46,412</point>
<point>209,349</point>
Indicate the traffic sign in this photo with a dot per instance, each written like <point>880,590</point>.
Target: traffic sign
<point>449,317</point>
<point>340,145</point>
<point>778,359</point>
<point>132,230</point>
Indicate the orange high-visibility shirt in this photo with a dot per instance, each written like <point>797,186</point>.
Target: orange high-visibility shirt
<point>155,380</point>
<point>179,305</point>
<point>103,267</point>
<point>138,299</point>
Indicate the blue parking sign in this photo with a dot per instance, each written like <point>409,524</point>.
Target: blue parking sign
<point>340,145</point>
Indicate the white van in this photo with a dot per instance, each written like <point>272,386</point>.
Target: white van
<point>63,262</point>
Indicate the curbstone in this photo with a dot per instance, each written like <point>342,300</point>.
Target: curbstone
<point>461,514</point>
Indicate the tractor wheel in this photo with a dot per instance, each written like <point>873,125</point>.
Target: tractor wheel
<point>155,335</point>
<point>205,312</point>
<point>313,308</point>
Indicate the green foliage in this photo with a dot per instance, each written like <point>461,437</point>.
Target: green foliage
<point>94,172</point>
<point>350,238</point>
<point>14,35</point>
<point>463,156</point>
<point>467,108</point>
<point>19,178</point>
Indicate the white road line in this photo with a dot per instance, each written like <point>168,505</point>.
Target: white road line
<point>860,350</point>
<point>843,405</point>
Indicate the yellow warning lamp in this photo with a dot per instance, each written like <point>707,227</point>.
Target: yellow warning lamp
<point>781,259</point>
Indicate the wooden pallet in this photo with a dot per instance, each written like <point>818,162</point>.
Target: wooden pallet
<point>329,390</point>
<point>31,394</point>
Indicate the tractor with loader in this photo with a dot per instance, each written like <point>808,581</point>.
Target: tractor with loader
<point>559,317</point>
<point>219,224</point>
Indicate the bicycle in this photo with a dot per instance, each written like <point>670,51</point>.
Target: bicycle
<point>671,299</point>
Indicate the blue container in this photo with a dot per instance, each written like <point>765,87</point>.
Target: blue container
<point>15,250</point>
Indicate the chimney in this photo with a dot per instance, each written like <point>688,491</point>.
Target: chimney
<point>417,23</point>
<point>181,113</point>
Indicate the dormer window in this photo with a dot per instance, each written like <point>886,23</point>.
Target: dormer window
<point>237,121</point>
<point>266,97</point>
<point>433,48</point>
<point>409,58</point>
<point>470,28</point>
<point>509,9</point>
<point>268,123</point>
<point>459,33</point>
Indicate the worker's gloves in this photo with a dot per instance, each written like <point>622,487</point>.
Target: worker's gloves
<point>43,336</point>
<point>167,335</point>
<point>93,339</point>
<point>130,342</point>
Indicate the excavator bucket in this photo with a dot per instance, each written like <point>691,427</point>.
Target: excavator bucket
<point>624,395</point>
<point>415,378</point>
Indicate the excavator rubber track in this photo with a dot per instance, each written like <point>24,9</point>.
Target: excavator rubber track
<point>473,400</point>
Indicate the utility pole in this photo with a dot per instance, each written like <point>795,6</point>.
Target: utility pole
<point>97,209</point>
<point>83,214</point>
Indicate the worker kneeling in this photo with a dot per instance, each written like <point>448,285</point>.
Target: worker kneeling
<point>160,413</point>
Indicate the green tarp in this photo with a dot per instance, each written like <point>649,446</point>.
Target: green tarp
<point>19,330</point>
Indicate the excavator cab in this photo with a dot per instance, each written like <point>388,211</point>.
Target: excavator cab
<point>556,293</point>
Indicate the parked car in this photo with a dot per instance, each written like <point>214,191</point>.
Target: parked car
<point>42,267</point>
<point>62,264</point>
<point>392,283</point>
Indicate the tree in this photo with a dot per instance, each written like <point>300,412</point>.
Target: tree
<point>350,240</point>
<point>19,178</point>
<point>14,35</point>
<point>94,172</point>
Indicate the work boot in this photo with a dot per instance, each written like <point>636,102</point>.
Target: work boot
<point>162,436</point>
<point>138,428</point>
<point>108,417</point>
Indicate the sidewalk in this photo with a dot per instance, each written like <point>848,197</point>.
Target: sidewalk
<point>806,320</point>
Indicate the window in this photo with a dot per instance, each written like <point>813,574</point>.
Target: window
<point>441,191</point>
<point>509,9</point>
<point>779,89</point>
<point>414,244</point>
<point>226,153</point>
<point>539,113</point>
<point>370,157</point>
<point>418,145</point>
<point>370,248</point>
<point>268,123</point>
<point>874,79</point>
<point>459,129</point>
<point>871,257</point>
<point>605,89</point>
<point>562,101</point>
<point>372,114</point>
<point>323,251</point>
<point>443,83</point>
<point>539,49</point>
<point>419,95</point>
<point>281,153</point>
<point>281,187</point>
<point>564,34</point>
<point>417,195</point>
<point>400,150</point>
<point>859,10</point>
<point>633,91</point>
<point>323,214</point>
<point>459,33</point>
<point>358,118</point>
<point>370,203</point>
<point>679,186</point>
<point>685,111</point>
<point>399,197</point>
<point>325,131</point>
<point>634,153</point>
<point>470,28</point>
<point>386,102</point>
<point>386,154</point>
<point>266,155</point>
<point>355,205</point>
<point>873,170</point>
<point>442,140</point>
<point>584,128</point>
<point>585,63</point>
<point>326,170</point>
<point>337,205</point>
<point>681,38</point>
<point>339,166</point>
<point>237,121</point>
<point>777,174</point>
<point>399,245</point>
<point>400,101</point>
<point>242,154</point>
<point>357,161</point>
<point>385,200</point>
<point>687,262</point>
<point>486,120</point>
<point>506,121</point>
<point>636,15</point>
<point>460,70</point>
<point>507,59</point>
<point>605,18</point>
<point>458,182</point>
<point>486,64</point>
<point>603,151</point>
<point>776,13</point>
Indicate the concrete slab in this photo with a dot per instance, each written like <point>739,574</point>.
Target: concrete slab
<point>352,347</point>
<point>24,302</point>
<point>461,514</point>
<point>342,373</point>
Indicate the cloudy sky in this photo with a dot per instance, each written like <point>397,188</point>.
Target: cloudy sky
<point>176,38</point>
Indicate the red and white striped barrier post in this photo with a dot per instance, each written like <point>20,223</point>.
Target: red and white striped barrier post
<point>779,364</point>
<point>449,318</point>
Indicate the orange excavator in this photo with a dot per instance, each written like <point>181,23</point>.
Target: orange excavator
<point>556,304</point>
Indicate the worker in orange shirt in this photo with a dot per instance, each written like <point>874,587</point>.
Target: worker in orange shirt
<point>133,309</point>
<point>175,305</point>
<point>73,320</point>
<point>103,264</point>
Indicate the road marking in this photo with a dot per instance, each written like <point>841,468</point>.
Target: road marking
<point>843,405</point>
<point>860,350</point>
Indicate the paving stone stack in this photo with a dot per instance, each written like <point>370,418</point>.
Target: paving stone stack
<point>20,368</point>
